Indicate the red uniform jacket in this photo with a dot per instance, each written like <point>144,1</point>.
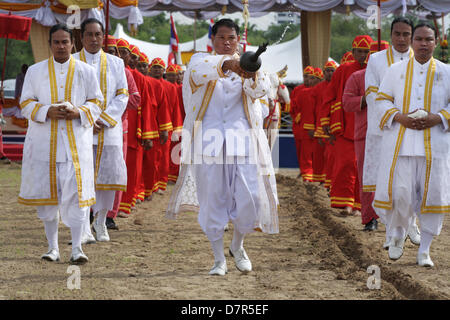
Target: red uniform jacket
<point>341,122</point>
<point>351,101</point>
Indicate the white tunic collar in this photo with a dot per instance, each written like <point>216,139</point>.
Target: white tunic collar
<point>400,55</point>
<point>92,58</point>
<point>63,65</point>
<point>421,67</point>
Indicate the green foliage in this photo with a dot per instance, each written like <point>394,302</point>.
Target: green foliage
<point>157,30</point>
<point>19,52</point>
<point>344,29</point>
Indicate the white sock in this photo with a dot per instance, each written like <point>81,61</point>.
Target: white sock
<point>217,247</point>
<point>86,229</point>
<point>51,231</point>
<point>399,233</point>
<point>101,217</point>
<point>76,236</point>
<point>238,240</point>
<point>425,242</point>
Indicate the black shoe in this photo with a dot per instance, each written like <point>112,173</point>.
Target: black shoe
<point>110,224</point>
<point>371,226</point>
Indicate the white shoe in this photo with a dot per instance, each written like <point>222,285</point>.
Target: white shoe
<point>396,248</point>
<point>243,263</point>
<point>424,260</point>
<point>51,255</point>
<point>78,256</point>
<point>414,234</point>
<point>219,268</point>
<point>87,238</point>
<point>101,232</point>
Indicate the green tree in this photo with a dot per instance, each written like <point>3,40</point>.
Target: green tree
<point>19,52</point>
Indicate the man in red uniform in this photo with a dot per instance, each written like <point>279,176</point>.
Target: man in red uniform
<point>172,76</point>
<point>345,187</point>
<point>354,100</point>
<point>318,144</point>
<point>322,118</point>
<point>136,128</point>
<point>296,114</point>
<point>306,105</point>
<point>175,122</point>
<point>133,103</point>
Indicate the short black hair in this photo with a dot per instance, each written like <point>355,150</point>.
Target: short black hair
<point>224,23</point>
<point>427,24</point>
<point>406,20</point>
<point>60,26</point>
<point>89,21</point>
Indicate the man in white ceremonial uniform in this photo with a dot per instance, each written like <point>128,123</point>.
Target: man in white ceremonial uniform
<point>61,102</point>
<point>226,170</point>
<point>110,168</point>
<point>400,50</point>
<point>414,167</point>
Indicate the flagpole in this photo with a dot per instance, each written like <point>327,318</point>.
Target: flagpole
<point>106,25</point>
<point>379,24</point>
<point>195,29</point>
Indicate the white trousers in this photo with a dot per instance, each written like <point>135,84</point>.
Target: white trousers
<point>71,214</point>
<point>407,193</point>
<point>104,200</point>
<point>227,192</point>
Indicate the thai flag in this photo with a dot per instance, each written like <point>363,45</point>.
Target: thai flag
<point>209,46</point>
<point>173,48</point>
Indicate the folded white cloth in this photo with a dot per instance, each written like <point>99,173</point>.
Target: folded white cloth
<point>418,114</point>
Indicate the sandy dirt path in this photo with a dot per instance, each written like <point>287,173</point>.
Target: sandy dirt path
<point>316,255</point>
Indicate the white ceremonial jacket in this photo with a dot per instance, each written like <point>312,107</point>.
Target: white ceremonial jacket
<point>50,141</point>
<point>110,167</point>
<point>401,92</point>
<point>234,95</point>
<point>110,70</point>
<point>377,66</point>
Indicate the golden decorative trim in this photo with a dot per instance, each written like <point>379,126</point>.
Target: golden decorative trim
<point>219,67</point>
<point>88,114</point>
<point>390,56</point>
<point>122,91</point>
<point>108,119</point>
<point>26,102</point>
<point>35,110</point>
<point>204,106</point>
<point>387,116</point>
<point>96,101</point>
<point>371,89</point>
<point>427,140</point>
<point>115,187</point>
<point>194,86</point>
<point>383,96</point>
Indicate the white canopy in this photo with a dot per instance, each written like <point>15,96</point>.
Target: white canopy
<point>274,59</point>
<point>135,10</point>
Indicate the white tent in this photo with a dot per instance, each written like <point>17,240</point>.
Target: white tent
<point>274,59</point>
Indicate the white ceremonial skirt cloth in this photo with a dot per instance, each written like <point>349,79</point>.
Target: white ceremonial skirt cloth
<point>71,214</point>
<point>407,193</point>
<point>227,192</point>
